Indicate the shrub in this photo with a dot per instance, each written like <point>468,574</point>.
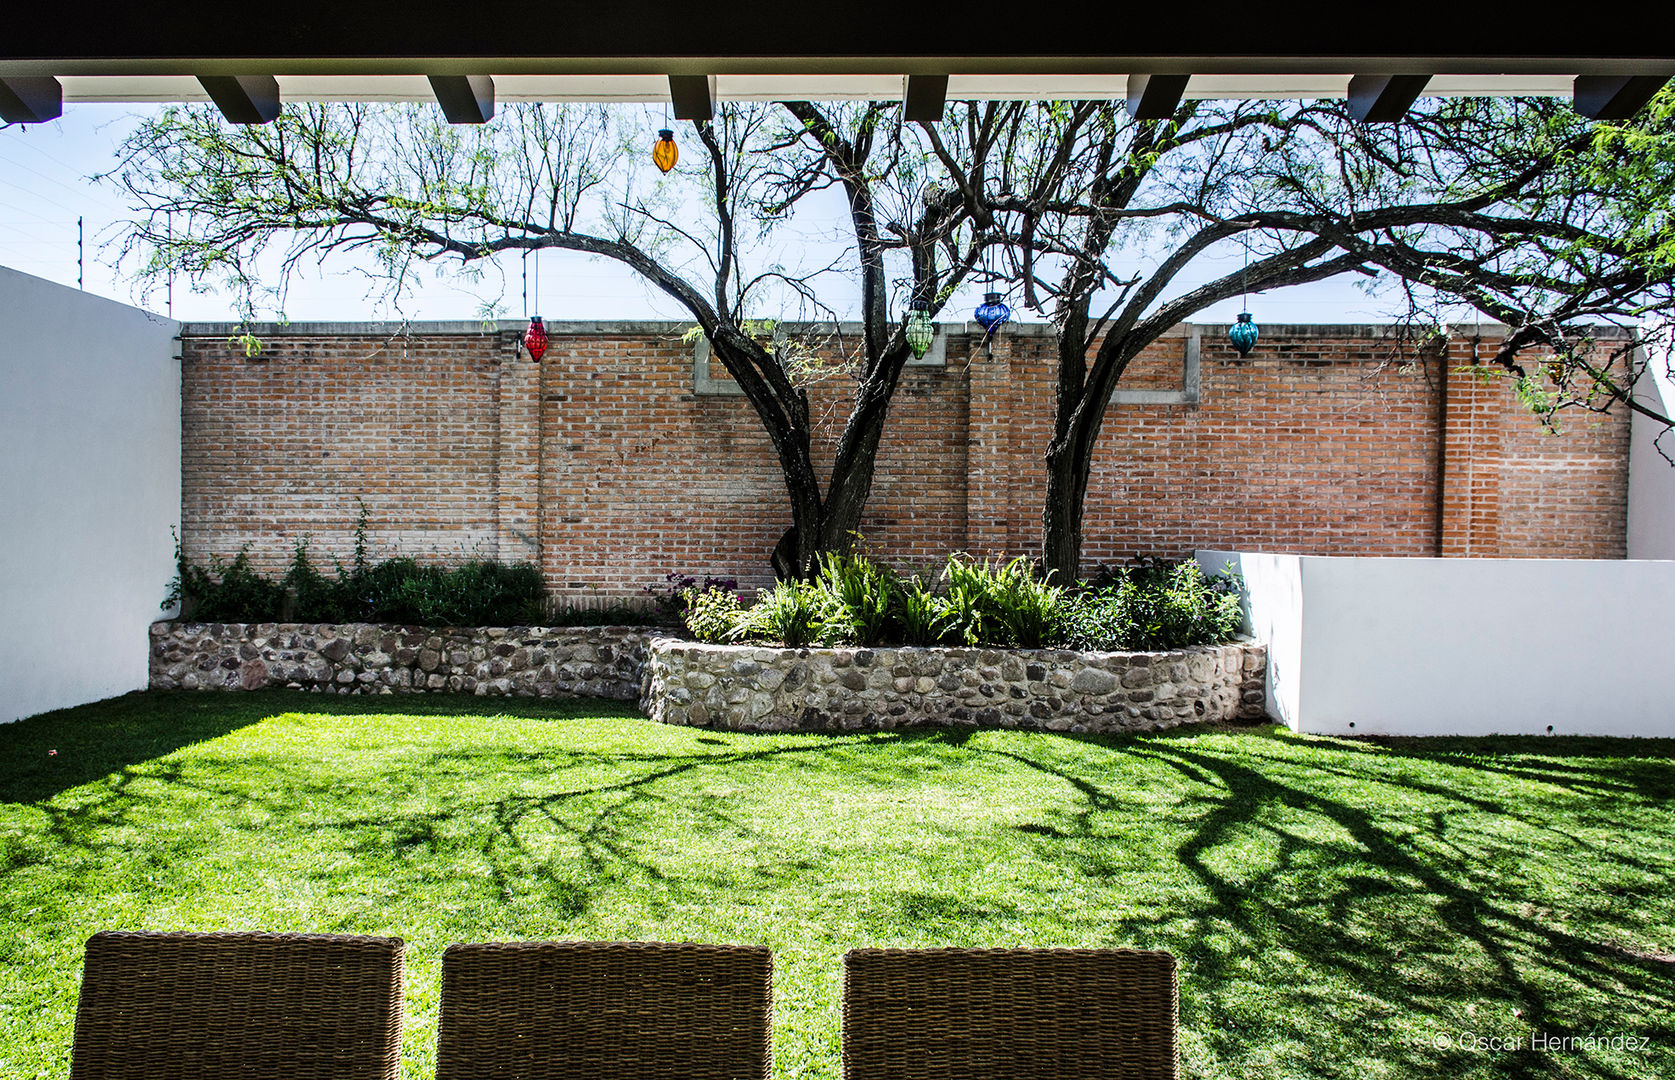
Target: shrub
<point>477,593</point>
<point>996,604</point>
<point>788,614</point>
<point>856,601</point>
<point>668,600</point>
<point>921,613</point>
<point>1156,606</point>
<point>711,613</point>
<point>223,592</point>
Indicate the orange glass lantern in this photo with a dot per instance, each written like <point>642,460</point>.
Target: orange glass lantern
<point>665,153</point>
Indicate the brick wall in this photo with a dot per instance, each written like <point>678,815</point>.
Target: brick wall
<point>608,466</point>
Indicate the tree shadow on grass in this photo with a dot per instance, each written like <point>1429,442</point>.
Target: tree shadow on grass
<point>1329,938</point>
<point>44,755</point>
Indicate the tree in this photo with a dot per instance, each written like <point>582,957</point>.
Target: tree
<point>1517,209</point>
<point>401,184</point>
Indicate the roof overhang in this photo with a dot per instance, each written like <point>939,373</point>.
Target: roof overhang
<point>625,50</point>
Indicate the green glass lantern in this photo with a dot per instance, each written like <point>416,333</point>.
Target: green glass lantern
<point>920,330</point>
<point>1243,334</point>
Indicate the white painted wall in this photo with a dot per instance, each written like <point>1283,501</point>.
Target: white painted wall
<point>1378,646</point>
<point>1651,476</point>
<point>89,488</point>
<point>1274,616</point>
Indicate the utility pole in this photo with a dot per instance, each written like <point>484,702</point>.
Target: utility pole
<point>79,253</point>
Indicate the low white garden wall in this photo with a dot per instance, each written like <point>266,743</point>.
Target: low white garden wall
<point>755,688</point>
<point>1388,646</point>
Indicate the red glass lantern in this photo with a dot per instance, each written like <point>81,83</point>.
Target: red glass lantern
<point>535,338</point>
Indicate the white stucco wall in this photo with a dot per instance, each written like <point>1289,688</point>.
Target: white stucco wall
<point>89,488</point>
<point>1274,616</point>
<point>1376,646</point>
<point>1651,476</point>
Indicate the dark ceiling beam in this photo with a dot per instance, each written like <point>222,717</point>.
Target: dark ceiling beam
<point>692,97</point>
<point>465,99</point>
<point>924,98</point>
<point>1381,99</point>
<point>1313,35</point>
<point>243,99</point>
<point>1614,97</point>
<point>1154,97</point>
<point>31,99</point>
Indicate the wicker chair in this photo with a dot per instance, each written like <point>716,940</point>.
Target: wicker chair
<point>605,1011</point>
<point>158,1006</point>
<point>1009,1014</point>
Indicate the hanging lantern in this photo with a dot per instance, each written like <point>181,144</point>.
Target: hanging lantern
<point>1243,334</point>
<point>920,331</point>
<point>665,153</point>
<point>991,313</point>
<point>535,338</point>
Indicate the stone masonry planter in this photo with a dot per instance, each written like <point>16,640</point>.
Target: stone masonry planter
<point>366,658</point>
<point>741,687</point>
<point>756,688</point>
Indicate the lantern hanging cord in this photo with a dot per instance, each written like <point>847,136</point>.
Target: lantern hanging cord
<point>1244,276</point>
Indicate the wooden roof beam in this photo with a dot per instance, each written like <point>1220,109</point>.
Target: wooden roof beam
<point>244,99</point>
<point>1383,99</point>
<point>1614,97</point>
<point>30,99</point>
<point>1155,97</point>
<point>692,97</point>
<point>924,97</point>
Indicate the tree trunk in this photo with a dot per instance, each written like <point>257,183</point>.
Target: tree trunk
<point>1061,517</point>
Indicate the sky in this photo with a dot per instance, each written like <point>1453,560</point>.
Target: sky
<point>46,185</point>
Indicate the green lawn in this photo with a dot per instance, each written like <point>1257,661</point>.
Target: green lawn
<point>1339,908</point>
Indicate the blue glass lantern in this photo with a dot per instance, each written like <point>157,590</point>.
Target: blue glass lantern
<point>991,313</point>
<point>1243,334</point>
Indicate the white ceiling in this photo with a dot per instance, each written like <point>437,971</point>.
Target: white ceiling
<point>654,88</point>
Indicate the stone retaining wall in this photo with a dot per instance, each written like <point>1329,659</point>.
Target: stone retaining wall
<point>741,687</point>
<point>365,658</point>
<point>767,689</point>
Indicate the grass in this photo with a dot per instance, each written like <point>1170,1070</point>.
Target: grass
<point>1339,908</point>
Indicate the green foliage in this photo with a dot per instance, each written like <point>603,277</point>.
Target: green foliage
<point>476,593</point>
<point>999,604</point>
<point>858,600</point>
<point>854,600</point>
<point>920,612</point>
<point>224,591</point>
<point>1155,606</point>
<point>711,613</point>
<point>789,614</point>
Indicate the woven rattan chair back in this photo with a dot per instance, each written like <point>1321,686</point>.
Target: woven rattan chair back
<point>1009,1014</point>
<point>235,1006</point>
<point>605,1011</point>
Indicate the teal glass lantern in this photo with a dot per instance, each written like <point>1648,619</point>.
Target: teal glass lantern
<point>991,313</point>
<point>920,330</point>
<point>1243,334</point>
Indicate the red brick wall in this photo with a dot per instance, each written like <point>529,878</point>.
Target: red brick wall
<point>605,465</point>
<point>278,446</point>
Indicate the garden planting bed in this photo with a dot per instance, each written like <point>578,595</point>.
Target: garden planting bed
<point>738,687</point>
<point>756,688</point>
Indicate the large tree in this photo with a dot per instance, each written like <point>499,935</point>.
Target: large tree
<point>399,183</point>
<point>1518,210</point>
